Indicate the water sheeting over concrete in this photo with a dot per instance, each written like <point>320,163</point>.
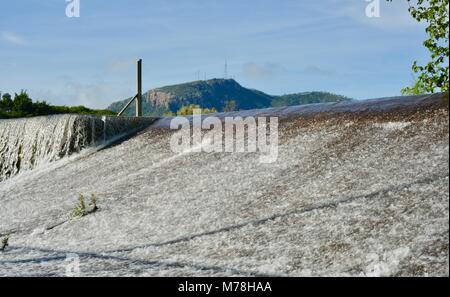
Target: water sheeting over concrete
<point>372,106</point>
<point>356,190</point>
<point>29,142</point>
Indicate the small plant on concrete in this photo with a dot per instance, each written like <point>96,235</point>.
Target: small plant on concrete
<point>81,209</point>
<point>4,244</point>
<point>93,203</point>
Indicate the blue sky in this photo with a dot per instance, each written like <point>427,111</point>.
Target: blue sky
<point>276,46</point>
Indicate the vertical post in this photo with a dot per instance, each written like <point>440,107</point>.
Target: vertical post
<point>139,89</point>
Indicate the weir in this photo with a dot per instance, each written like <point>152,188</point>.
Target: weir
<point>30,142</point>
<point>357,189</point>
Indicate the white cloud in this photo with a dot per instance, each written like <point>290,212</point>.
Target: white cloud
<point>88,94</point>
<point>98,94</point>
<point>318,71</point>
<point>255,71</point>
<point>12,38</point>
<point>121,65</point>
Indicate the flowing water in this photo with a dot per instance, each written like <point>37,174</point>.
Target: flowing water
<point>29,143</point>
<point>358,188</point>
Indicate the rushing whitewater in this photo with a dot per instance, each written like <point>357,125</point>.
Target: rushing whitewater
<point>28,143</point>
<point>358,189</point>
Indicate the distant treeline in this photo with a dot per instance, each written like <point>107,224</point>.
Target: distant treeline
<point>23,106</point>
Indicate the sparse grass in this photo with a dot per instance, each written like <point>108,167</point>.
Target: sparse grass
<point>4,243</point>
<point>82,210</point>
<point>93,203</point>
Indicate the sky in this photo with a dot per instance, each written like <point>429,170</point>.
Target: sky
<point>276,46</point>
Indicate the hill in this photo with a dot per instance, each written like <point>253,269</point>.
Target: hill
<point>221,94</point>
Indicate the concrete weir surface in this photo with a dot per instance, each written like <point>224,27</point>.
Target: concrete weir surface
<point>358,189</point>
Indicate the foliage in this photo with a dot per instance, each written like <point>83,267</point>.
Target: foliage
<point>230,105</point>
<point>81,209</point>
<point>22,103</point>
<point>6,103</point>
<point>93,203</point>
<point>4,243</point>
<point>189,110</point>
<point>434,76</point>
<point>207,93</point>
<point>417,88</point>
<point>23,106</point>
<point>220,94</point>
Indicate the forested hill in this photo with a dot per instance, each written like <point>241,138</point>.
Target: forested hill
<point>219,94</point>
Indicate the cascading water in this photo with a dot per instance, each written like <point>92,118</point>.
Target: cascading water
<point>28,143</point>
<point>358,188</point>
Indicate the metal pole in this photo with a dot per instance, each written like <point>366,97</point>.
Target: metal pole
<point>126,106</point>
<point>139,89</point>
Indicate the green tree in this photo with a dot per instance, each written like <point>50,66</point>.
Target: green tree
<point>42,108</point>
<point>434,76</point>
<point>416,88</point>
<point>230,105</point>
<point>22,104</point>
<point>189,110</point>
<point>6,104</point>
